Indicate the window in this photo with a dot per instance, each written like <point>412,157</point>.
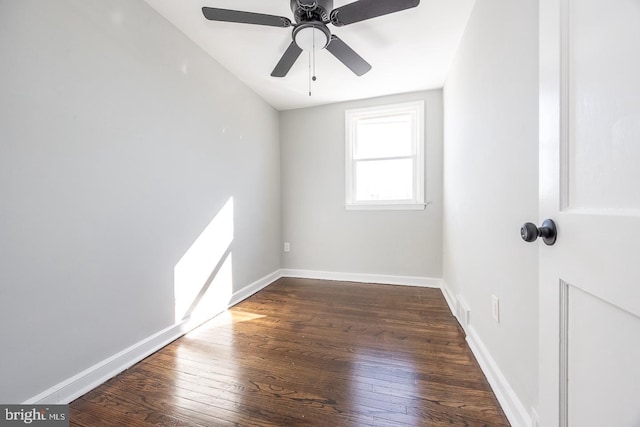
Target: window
<point>385,157</point>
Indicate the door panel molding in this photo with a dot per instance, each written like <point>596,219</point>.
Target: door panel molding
<point>572,355</point>
<point>564,354</point>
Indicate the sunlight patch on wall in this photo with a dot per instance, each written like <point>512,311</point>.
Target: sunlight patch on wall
<point>203,282</point>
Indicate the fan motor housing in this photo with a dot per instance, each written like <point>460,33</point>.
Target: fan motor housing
<point>311,10</point>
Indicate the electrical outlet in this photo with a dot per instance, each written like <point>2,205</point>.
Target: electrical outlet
<point>287,246</point>
<point>495,308</point>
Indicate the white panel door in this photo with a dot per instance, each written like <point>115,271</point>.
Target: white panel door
<point>589,301</point>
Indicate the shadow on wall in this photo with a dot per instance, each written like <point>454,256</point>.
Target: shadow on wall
<point>203,278</point>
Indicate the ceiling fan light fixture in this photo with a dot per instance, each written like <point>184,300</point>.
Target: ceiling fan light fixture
<point>308,35</point>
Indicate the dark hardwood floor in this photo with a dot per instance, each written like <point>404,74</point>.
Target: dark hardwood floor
<point>308,352</point>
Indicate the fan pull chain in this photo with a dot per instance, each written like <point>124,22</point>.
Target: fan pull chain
<point>314,56</point>
<point>309,73</point>
<point>312,59</point>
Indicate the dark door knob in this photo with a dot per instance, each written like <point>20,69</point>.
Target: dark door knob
<point>548,231</point>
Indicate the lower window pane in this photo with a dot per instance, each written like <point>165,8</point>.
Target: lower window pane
<point>384,180</point>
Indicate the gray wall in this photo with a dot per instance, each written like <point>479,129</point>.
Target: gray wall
<point>326,237</point>
<point>119,142</point>
<point>491,183</point>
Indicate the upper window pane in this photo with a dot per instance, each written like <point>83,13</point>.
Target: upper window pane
<point>384,137</point>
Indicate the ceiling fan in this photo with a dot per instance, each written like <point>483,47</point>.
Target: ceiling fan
<point>310,30</point>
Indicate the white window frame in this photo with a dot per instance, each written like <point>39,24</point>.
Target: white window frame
<point>416,111</point>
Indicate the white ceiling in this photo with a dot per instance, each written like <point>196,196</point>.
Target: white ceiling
<point>409,50</point>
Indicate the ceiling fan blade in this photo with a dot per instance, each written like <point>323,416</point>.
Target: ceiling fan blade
<point>367,9</point>
<point>225,15</point>
<point>348,56</point>
<point>286,62</point>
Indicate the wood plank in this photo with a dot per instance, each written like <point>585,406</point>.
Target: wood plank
<point>308,352</point>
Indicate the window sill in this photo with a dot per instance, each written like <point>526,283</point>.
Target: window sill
<point>386,207</point>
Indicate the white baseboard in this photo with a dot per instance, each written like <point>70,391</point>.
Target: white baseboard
<point>511,404</point>
<point>85,381</point>
<point>70,389</point>
<point>450,298</point>
<point>426,282</point>
<point>256,286</point>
